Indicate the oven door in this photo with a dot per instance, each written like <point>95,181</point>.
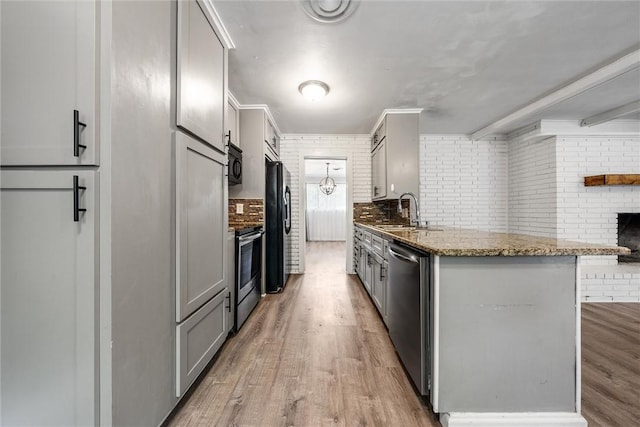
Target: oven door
<point>249,263</point>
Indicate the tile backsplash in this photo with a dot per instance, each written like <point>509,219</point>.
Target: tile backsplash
<point>252,212</point>
<point>382,212</point>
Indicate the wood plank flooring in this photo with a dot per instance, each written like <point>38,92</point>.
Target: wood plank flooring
<point>611,364</point>
<point>318,355</point>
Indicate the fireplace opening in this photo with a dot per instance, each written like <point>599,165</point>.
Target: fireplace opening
<point>629,236</point>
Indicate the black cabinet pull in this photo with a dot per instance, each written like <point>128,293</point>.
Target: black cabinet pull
<point>76,199</point>
<point>228,135</point>
<point>229,298</point>
<point>77,124</point>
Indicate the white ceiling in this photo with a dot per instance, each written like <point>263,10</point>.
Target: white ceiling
<point>317,169</point>
<point>466,63</point>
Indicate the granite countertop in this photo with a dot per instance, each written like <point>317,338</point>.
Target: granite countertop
<point>449,241</point>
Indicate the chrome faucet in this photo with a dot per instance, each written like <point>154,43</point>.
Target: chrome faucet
<point>414,220</point>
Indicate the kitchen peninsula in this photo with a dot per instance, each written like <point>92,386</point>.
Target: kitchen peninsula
<point>500,322</point>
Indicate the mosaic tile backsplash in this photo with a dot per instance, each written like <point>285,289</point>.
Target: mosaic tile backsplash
<point>382,212</point>
<point>253,212</point>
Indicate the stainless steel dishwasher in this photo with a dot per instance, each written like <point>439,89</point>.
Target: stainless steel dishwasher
<point>408,311</point>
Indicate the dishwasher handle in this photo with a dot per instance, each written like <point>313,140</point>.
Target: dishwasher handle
<point>406,257</point>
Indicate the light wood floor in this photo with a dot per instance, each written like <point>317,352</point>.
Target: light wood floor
<point>318,354</point>
<point>315,355</point>
<point>611,364</point>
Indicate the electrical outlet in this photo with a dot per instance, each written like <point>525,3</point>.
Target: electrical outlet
<point>239,208</point>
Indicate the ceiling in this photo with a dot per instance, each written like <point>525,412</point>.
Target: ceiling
<point>467,64</point>
<point>317,169</point>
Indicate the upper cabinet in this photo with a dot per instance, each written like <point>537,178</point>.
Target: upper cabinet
<point>49,80</point>
<point>260,142</point>
<point>233,121</point>
<point>271,137</point>
<point>394,157</point>
<point>200,79</point>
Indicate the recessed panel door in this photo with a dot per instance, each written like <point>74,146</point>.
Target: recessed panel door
<point>49,62</point>
<point>48,298</point>
<point>201,232</point>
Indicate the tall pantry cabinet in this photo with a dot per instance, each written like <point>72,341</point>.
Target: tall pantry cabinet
<point>90,135</point>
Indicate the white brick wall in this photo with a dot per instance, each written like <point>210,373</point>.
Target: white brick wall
<point>532,188</point>
<point>356,147</point>
<point>463,183</point>
<point>589,214</point>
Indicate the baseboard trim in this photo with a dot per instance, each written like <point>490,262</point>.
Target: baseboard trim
<point>519,419</point>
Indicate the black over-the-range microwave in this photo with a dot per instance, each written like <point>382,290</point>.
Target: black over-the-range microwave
<point>235,164</point>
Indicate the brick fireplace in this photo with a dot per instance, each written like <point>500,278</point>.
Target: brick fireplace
<point>629,236</point>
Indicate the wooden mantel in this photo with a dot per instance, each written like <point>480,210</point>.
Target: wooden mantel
<point>619,179</point>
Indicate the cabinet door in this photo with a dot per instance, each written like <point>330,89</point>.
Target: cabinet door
<point>198,339</point>
<point>201,93</point>
<point>379,172</point>
<point>49,63</point>
<point>231,278</point>
<point>201,231</point>
<point>377,288</point>
<point>48,288</point>
<point>232,126</point>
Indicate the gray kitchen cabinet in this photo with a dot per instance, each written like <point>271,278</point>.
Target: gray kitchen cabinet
<point>49,70</point>
<point>272,139</point>
<point>199,338</point>
<point>201,60</point>
<point>394,163</point>
<point>255,125</point>
<point>48,308</point>
<point>231,278</point>
<point>377,283</point>
<point>233,122</point>
<point>201,224</point>
<point>380,134</point>
<point>379,171</point>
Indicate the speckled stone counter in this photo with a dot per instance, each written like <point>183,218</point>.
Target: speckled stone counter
<point>448,241</point>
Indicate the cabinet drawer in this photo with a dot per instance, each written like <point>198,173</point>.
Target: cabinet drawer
<point>377,244</point>
<point>198,338</point>
<point>366,238</point>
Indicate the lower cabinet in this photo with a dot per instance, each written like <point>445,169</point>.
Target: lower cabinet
<point>378,284</point>
<point>48,286</point>
<point>198,338</point>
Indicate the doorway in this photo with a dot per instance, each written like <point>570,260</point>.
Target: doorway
<point>326,208</point>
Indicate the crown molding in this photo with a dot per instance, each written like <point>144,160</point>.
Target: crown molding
<point>394,111</point>
<point>218,24</point>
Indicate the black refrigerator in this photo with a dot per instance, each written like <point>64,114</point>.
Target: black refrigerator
<point>278,226</point>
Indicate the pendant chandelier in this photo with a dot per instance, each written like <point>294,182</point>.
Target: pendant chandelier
<point>327,185</point>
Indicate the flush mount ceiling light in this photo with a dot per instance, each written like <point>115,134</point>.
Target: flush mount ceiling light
<point>329,10</point>
<point>327,185</point>
<point>313,90</point>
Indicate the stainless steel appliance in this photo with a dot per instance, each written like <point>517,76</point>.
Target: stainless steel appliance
<point>248,272</point>
<point>278,225</point>
<point>408,312</point>
<point>235,164</point>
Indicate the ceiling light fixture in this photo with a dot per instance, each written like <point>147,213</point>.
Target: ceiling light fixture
<point>313,90</point>
<point>327,185</point>
<point>329,11</point>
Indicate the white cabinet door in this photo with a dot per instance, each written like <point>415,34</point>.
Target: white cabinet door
<point>379,171</point>
<point>48,289</point>
<point>49,60</point>
<point>201,224</point>
<point>198,339</point>
<point>201,92</point>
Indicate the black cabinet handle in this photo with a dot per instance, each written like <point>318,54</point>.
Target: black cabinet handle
<point>76,199</point>
<point>229,298</point>
<point>228,135</point>
<point>77,124</point>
